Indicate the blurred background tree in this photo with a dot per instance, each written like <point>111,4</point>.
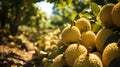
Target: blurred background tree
<point>16,12</point>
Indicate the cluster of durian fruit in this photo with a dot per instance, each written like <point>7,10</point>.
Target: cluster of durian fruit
<point>86,48</point>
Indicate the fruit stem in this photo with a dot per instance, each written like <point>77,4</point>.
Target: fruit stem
<point>72,23</point>
<point>80,41</point>
<point>89,49</point>
<point>79,17</point>
<point>63,54</point>
<point>88,53</point>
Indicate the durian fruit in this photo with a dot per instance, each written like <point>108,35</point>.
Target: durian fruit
<point>44,60</point>
<point>105,15</point>
<point>98,54</point>
<point>59,61</point>
<point>101,37</point>
<point>111,52</point>
<point>88,39</point>
<point>116,14</point>
<point>70,34</point>
<point>46,38</point>
<point>47,46</point>
<point>54,48</point>
<point>12,44</point>
<point>83,24</point>
<point>72,52</point>
<point>88,60</point>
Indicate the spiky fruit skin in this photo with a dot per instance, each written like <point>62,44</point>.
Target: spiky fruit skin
<point>105,15</point>
<point>111,52</point>
<point>83,24</point>
<point>70,34</point>
<point>72,52</point>
<point>98,54</point>
<point>90,60</point>
<point>58,61</point>
<point>88,40</point>
<point>116,14</point>
<point>101,37</point>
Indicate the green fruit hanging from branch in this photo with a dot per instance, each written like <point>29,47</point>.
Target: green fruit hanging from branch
<point>83,25</point>
<point>70,34</point>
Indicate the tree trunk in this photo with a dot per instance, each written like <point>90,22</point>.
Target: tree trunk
<point>14,28</point>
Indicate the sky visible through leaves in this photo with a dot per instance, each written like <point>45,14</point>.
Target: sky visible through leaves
<point>45,7</point>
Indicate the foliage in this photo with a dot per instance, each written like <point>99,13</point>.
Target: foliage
<point>16,12</point>
<point>25,12</point>
<point>68,10</point>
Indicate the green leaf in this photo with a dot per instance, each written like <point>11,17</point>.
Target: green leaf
<point>59,6</point>
<point>96,27</point>
<point>73,16</point>
<point>77,16</point>
<point>86,15</point>
<point>69,1</point>
<point>95,8</point>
